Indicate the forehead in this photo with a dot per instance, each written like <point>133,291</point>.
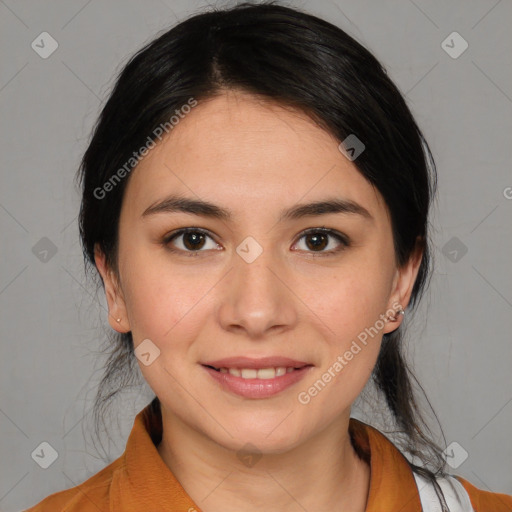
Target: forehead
<point>246,153</point>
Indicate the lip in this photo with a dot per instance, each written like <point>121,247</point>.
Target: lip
<point>256,363</point>
<point>256,388</point>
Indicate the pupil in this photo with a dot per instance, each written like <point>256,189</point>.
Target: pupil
<point>318,241</point>
<point>195,238</point>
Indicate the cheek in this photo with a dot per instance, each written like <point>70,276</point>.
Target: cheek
<point>168,308</point>
<point>166,303</point>
<point>158,306</point>
<point>336,386</point>
<point>350,299</point>
<point>349,306</point>
<point>353,341</point>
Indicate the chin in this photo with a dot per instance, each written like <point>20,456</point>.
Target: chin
<point>268,433</point>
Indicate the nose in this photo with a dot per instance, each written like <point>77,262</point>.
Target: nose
<point>255,299</point>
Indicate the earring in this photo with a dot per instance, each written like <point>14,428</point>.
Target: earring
<point>395,318</point>
<point>118,320</point>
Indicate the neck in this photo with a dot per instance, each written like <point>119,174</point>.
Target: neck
<point>324,473</point>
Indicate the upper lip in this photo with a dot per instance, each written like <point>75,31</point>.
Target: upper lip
<point>258,363</point>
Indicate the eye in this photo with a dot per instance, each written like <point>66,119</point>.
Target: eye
<point>317,239</point>
<point>195,240</point>
<point>190,240</point>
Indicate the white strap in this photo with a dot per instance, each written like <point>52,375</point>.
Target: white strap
<point>430,501</point>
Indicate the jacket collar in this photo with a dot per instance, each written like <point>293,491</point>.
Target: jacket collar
<point>144,482</point>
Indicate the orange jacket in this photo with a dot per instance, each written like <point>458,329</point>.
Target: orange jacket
<point>140,481</point>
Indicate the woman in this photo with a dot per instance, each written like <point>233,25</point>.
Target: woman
<point>256,199</point>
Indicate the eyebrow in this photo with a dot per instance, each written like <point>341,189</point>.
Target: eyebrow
<point>202,208</point>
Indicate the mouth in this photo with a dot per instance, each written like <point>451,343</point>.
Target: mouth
<point>256,378</point>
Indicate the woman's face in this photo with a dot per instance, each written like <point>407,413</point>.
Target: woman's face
<point>261,282</point>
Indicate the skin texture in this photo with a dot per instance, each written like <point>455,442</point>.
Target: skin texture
<point>255,158</point>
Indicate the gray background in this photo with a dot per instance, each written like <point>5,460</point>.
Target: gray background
<point>52,321</point>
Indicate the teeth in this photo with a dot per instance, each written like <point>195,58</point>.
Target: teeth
<point>253,373</point>
<point>249,373</point>
<point>266,373</point>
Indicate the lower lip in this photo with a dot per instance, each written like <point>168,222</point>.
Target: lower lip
<point>257,388</point>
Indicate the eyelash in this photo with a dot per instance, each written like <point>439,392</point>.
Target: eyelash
<point>341,238</point>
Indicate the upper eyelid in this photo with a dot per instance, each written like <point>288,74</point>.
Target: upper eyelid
<point>183,231</point>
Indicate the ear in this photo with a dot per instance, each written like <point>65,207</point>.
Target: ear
<point>113,292</point>
<point>403,283</point>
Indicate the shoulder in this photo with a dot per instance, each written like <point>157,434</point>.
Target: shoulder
<point>460,496</point>
<point>93,494</point>
<point>485,501</point>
